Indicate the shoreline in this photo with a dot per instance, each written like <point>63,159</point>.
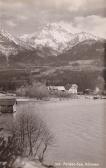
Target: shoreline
<point>62,100</point>
<point>73,100</point>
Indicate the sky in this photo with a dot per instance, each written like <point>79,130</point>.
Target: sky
<point>28,16</point>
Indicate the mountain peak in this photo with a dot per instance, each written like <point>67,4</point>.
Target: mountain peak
<point>8,36</point>
<point>61,26</point>
<point>57,36</point>
<point>10,45</point>
<point>53,40</point>
<point>53,35</point>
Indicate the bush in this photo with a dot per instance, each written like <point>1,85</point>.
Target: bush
<point>21,91</point>
<point>8,151</point>
<point>30,137</point>
<point>37,90</point>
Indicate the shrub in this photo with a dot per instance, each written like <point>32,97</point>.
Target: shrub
<point>37,90</point>
<point>29,137</point>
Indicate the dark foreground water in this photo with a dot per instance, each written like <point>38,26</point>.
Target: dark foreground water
<point>78,127</point>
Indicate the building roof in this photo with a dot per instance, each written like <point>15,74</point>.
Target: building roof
<point>7,101</point>
<point>61,88</point>
<point>75,85</point>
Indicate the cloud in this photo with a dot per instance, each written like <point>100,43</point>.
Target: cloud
<point>78,7</point>
<point>9,4</point>
<point>72,5</point>
<point>10,23</point>
<point>22,17</point>
<point>86,5</point>
<point>29,15</point>
<point>94,24</point>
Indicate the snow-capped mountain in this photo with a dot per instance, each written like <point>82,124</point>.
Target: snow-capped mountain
<point>82,36</point>
<point>4,35</point>
<point>52,35</point>
<point>7,43</point>
<point>57,36</point>
<point>55,44</point>
<point>10,45</point>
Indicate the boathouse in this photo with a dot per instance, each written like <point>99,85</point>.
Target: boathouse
<point>7,104</point>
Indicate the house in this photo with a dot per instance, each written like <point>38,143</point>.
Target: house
<point>73,89</point>
<point>97,90</point>
<point>88,92</point>
<point>57,88</point>
<point>60,88</point>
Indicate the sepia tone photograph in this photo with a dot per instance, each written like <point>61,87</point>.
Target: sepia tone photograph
<point>52,83</point>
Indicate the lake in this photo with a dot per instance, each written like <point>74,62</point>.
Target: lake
<point>78,127</point>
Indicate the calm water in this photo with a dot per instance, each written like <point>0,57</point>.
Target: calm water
<point>78,127</point>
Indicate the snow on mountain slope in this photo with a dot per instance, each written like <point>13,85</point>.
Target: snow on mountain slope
<point>82,36</point>
<point>7,43</point>
<point>4,35</point>
<point>57,36</point>
<point>52,35</point>
<point>10,45</point>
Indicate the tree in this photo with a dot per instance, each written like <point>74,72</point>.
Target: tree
<point>31,134</point>
<point>67,86</point>
<point>8,151</point>
<point>38,90</point>
<point>100,82</point>
<point>47,141</point>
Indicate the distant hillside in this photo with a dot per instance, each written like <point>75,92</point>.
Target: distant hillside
<point>86,50</point>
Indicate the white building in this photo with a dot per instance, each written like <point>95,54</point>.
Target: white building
<point>57,88</point>
<point>60,88</point>
<point>97,90</point>
<point>73,89</point>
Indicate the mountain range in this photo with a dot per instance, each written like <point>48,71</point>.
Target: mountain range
<point>58,37</point>
<point>55,44</point>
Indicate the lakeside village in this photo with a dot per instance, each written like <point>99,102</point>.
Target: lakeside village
<point>73,92</point>
<point>8,101</point>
